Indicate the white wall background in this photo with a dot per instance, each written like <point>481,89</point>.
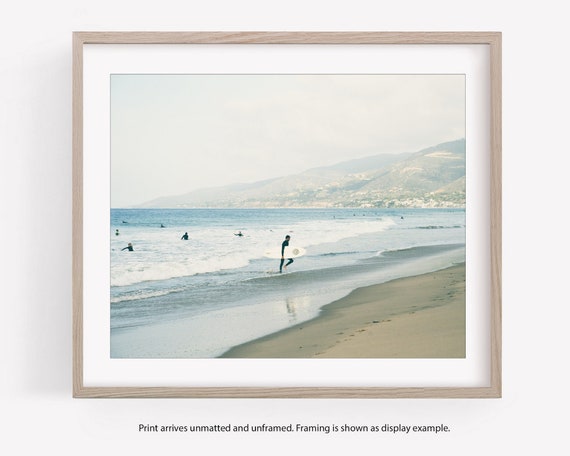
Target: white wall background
<point>37,412</point>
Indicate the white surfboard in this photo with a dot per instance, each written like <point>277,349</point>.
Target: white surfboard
<point>291,251</point>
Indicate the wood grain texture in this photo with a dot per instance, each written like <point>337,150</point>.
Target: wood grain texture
<point>496,212</point>
<point>492,39</point>
<point>77,215</point>
<point>292,392</point>
<point>286,37</point>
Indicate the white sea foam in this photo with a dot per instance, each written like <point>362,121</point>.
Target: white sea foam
<point>208,293</point>
<point>160,254</point>
<point>144,294</point>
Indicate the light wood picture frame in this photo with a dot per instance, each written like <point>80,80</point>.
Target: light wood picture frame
<point>82,169</point>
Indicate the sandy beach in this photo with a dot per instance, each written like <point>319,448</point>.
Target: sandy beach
<point>412,317</point>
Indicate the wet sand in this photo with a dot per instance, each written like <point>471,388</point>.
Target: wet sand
<point>412,317</point>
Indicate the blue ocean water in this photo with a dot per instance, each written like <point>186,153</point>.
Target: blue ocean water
<point>196,298</point>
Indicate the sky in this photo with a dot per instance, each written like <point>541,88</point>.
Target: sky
<point>171,134</point>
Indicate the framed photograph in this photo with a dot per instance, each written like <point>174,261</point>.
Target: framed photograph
<point>263,214</point>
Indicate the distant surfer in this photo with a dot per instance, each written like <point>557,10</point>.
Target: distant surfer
<point>290,260</point>
<point>184,236</point>
<point>239,233</point>
<point>162,226</point>
<point>129,247</point>
<point>116,232</point>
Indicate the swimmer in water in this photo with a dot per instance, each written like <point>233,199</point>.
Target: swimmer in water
<point>129,247</point>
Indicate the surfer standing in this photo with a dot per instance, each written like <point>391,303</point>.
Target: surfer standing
<point>290,260</point>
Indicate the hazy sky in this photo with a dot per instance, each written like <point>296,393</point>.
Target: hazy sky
<point>171,134</point>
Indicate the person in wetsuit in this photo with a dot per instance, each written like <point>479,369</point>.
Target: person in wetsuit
<point>184,236</point>
<point>290,260</point>
<point>128,247</point>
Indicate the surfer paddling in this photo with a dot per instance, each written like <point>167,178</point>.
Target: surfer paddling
<point>290,260</point>
<point>129,247</point>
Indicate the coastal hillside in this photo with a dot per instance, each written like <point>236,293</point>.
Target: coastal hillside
<point>432,177</point>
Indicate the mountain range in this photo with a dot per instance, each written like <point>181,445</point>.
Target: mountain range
<point>431,177</point>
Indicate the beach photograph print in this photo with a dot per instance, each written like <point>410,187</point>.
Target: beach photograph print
<point>287,216</point>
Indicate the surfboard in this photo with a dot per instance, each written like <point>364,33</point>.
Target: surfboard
<point>291,251</point>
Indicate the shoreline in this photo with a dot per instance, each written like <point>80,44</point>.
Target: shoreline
<point>412,317</point>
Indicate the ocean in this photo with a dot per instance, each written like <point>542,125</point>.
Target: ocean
<point>197,298</point>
